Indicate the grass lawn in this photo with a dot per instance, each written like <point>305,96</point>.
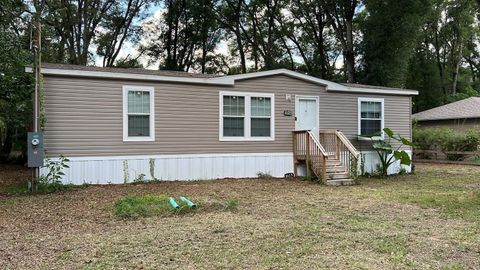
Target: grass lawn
<point>430,220</point>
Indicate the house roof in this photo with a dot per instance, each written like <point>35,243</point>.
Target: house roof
<point>169,73</point>
<point>196,78</point>
<point>357,85</point>
<point>466,108</point>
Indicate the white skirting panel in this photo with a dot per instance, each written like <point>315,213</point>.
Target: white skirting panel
<point>125,169</point>
<point>371,161</point>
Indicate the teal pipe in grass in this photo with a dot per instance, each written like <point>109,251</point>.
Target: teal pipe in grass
<point>173,203</point>
<point>188,202</point>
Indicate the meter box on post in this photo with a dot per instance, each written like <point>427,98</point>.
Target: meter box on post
<point>35,149</point>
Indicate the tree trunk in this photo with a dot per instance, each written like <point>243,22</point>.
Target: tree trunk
<point>243,62</point>
<point>349,55</point>
<point>439,63</point>
<point>7,143</point>
<point>457,68</point>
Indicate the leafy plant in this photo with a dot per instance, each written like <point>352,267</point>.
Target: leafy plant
<point>55,170</point>
<point>264,175</point>
<point>125,171</point>
<point>152,168</point>
<point>140,178</point>
<point>389,154</point>
<point>135,206</point>
<point>362,164</point>
<point>142,206</point>
<point>446,140</point>
<point>52,181</point>
<point>47,183</point>
<point>232,204</point>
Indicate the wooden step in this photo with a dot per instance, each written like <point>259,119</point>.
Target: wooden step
<point>335,169</point>
<point>340,182</point>
<point>337,175</point>
<point>333,162</point>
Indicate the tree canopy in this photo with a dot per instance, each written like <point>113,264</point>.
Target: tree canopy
<point>429,45</point>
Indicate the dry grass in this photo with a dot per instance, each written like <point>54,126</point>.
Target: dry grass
<point>406,222</point>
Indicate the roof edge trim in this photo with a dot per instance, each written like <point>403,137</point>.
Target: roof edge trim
<point>228,80</point>
<point>130,76</point>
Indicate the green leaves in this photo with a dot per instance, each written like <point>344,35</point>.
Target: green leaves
<point>403,156</point>
<point>406,142</point>
<point>388,154</point>
<point>389,132</point>
<point>55,170</point>
<point>383,146</point>
<point>389,46</point>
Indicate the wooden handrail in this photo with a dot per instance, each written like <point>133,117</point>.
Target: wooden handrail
<point>318,144</point>
<point>315,150</point>
<point>306,147</point>
<point>347,143</point>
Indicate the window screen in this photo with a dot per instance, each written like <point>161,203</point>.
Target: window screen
<point>260,116</point>
<point>370,118</point>
<point>138,113</point>
<point>233,116</point>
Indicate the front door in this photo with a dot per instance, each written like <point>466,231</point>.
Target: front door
<point>306,114</point>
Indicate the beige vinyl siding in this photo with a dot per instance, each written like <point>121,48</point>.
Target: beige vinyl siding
<point>84,116</point>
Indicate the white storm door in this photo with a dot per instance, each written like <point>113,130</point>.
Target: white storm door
<point>306,114</point>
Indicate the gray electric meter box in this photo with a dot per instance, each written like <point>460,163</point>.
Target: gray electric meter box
<point>35,149</point>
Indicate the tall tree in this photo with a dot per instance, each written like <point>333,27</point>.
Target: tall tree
<point>262,32</point>
<point>341,14</point>
<point>230,16</point>
<point>184,36</point>
<point>75,23</point>
<point>391,31</point>
<point>15,84</point>
<point>462,13</point>
<point>119,27</point>
<point>307,30</point>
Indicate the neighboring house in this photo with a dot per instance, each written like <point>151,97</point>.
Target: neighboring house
<point>116,125</point>
<point>463,115</point>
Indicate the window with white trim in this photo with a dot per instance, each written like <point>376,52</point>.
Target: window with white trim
<point>138,113</point>
<point>246,116</point>
<point>370,117</point>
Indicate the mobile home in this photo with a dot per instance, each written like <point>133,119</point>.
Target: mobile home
<point>116,125</point>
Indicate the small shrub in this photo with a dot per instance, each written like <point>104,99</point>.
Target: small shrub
<point>232,204</point>
<point>402,170</point>
<point>55,170</point>
<point>460,142</point>
<point>312,178</point>
<point>142,206</point>
<point>264,175</point>
<point>446,140</point>
<point>140,178</point>
<point>388,154</point>
<point>148,205</point>
<point>52,181</point>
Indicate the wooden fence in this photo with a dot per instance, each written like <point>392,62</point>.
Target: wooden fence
<point>448,157</point>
